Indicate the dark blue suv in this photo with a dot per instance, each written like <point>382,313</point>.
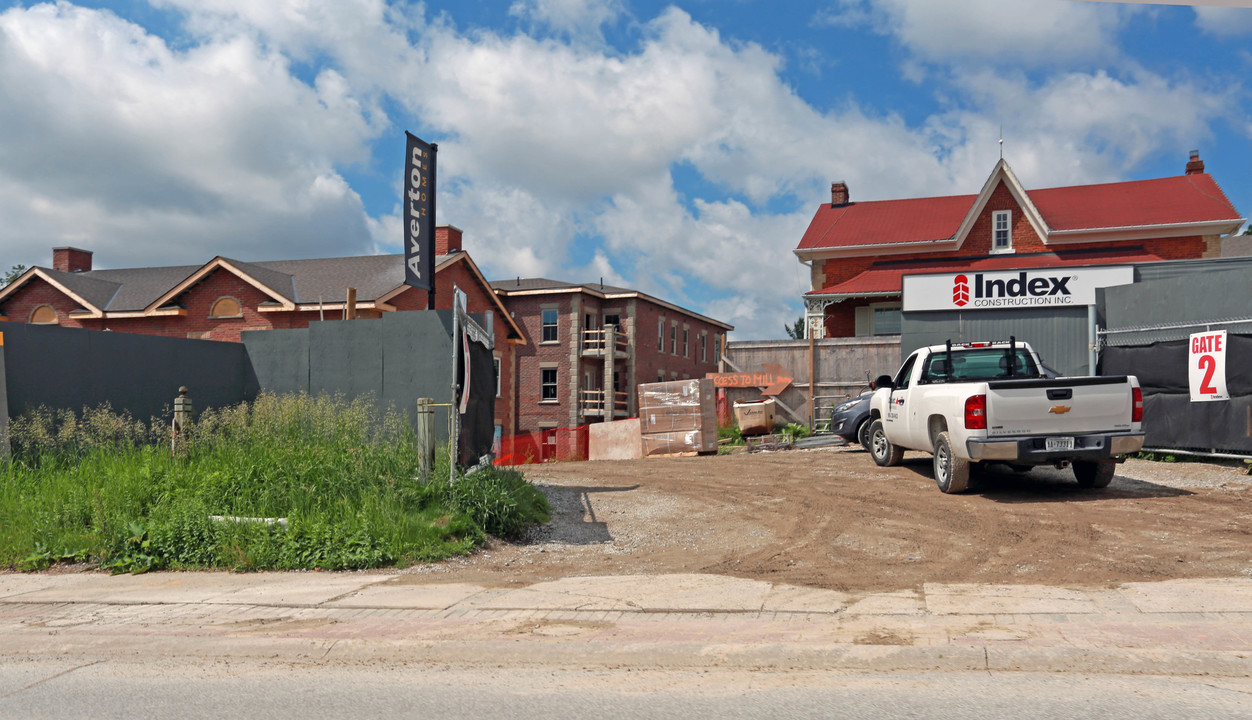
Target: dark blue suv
<point>850,419</point>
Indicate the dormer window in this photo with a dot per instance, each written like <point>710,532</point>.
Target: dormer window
<point>226,307</point>
<point>1002,231</point>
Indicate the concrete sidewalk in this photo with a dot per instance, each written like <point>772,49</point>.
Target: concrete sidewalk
<point>1179,627</point>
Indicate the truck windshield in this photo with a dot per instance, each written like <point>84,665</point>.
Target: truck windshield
<point>979,364</point>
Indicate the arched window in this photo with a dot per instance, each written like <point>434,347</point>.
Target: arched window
<point>226,307</point>
<point>43,315</point>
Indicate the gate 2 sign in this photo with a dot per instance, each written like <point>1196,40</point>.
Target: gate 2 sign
<point>1207,366</point>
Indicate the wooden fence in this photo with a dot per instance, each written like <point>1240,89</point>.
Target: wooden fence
<point>842,366</point>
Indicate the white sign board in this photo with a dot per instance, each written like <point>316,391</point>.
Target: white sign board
<point>1206,369</point>
<point>1008,289</point>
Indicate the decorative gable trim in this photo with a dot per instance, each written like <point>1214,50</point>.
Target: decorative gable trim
<point>515,336</point>
<point>156,307</point>
<point>90,311</point>
<point>1002,173</point>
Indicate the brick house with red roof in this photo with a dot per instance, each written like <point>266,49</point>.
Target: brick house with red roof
<point>224,297</point>
<point>858,252</point>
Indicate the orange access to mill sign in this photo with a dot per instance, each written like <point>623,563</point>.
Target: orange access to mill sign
<point>772,377</point>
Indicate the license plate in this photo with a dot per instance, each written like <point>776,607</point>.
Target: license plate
<point>1058,443</point>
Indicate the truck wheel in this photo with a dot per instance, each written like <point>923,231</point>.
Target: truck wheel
<point>883,452</point>
<point>951,472</point>
<point>1094,474</point>
<point>862,434</point>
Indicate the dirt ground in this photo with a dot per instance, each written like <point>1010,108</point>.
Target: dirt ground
<point>830,518</point>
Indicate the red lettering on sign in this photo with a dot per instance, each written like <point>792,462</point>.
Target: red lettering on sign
<point>1209,365</point>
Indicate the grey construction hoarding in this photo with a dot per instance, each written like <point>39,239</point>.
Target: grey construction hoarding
<point>1058,334</point>
<point>396,359</point>
<point>72,369</point>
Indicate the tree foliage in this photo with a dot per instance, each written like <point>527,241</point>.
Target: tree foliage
<point>14,273</point>
<point>795,331</point>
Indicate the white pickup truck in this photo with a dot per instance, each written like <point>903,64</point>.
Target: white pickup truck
<point>974,403</point>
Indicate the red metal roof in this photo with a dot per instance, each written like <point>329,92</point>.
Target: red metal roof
<point>1164,201</point>
<point>887,221</point>
<point>886,277</point>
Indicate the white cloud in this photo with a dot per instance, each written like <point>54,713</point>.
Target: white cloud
<point>545,145</point>
<point>144,154</point>
<point>1032,31</point>
<point>575,18</point>
<point>1077,127</point>
<point>1224,21</point>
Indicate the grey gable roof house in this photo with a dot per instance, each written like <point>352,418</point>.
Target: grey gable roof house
<point>297,285</point>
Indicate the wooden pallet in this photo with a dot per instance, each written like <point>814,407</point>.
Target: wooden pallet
<point>756,443</point>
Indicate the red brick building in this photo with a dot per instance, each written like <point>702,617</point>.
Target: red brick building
<point>859,251</point>
<point>223,297</point>
<point>582,339</point>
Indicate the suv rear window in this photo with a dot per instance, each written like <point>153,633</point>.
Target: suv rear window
<point>979,364</point>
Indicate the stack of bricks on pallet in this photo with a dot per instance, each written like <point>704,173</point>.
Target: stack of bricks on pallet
<point>679,416</point>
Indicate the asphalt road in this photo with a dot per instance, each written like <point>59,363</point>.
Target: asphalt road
<point>122,689</point>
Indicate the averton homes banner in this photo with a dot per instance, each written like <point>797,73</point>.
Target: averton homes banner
<point>419,213</point>
<point>1008,289</point>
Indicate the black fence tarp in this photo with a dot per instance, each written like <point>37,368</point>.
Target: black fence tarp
<point>1170,418</point>
<point>478,423</point>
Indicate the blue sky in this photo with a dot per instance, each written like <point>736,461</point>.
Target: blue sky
<point>680,149</point>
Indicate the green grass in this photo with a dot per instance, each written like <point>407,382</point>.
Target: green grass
<point>102,488</point>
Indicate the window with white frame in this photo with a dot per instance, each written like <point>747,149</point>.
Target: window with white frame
<point>497,364</point>
<point>549,326</point>
<point>673,339</point>
<point>1002,231</point>
<point>660,335</point>
<point>704,347</point>
<point>547,382</point>
<point>686,346</point>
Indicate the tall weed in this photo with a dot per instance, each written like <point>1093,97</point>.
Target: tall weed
<point>103,487</point>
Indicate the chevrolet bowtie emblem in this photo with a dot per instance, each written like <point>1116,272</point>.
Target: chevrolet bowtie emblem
<point>1060,409</point>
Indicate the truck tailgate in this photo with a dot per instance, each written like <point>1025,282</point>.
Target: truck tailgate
<point>1061,406</point>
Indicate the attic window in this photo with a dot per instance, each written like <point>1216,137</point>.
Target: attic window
<point>226,307</point>
<point>43,315</point>
<point>1002,231</point>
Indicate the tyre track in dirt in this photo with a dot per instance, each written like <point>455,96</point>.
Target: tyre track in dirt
<point>832,519</point>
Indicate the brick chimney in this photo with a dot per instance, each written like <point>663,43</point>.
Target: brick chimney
<point>1195,164</point>
<point>447,239</point>
<point>838,194</point>
<point>71,259</point>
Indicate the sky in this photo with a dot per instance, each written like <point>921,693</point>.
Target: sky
<point>676,148</point>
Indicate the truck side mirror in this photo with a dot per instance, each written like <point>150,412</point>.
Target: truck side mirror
<point>883,381</point>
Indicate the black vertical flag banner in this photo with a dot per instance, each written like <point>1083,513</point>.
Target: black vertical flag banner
<point>419,214</point>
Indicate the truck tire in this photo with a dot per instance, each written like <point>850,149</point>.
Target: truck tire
<point>951,472</point>
<point>862,434</point>
<point>883,451</point>
<point>1094,474</point>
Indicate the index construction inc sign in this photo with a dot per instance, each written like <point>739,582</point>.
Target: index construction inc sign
<point>1008,289</point>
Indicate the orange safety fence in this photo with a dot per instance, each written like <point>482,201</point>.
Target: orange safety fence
<point>558,444</point>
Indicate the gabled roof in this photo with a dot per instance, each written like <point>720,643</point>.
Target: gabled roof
<point>1186,204</point>
<point>884,278</point>
<point>291,284</point>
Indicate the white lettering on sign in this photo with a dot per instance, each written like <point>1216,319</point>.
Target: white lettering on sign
<point>416,193</point>
<point>1206,368</point>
